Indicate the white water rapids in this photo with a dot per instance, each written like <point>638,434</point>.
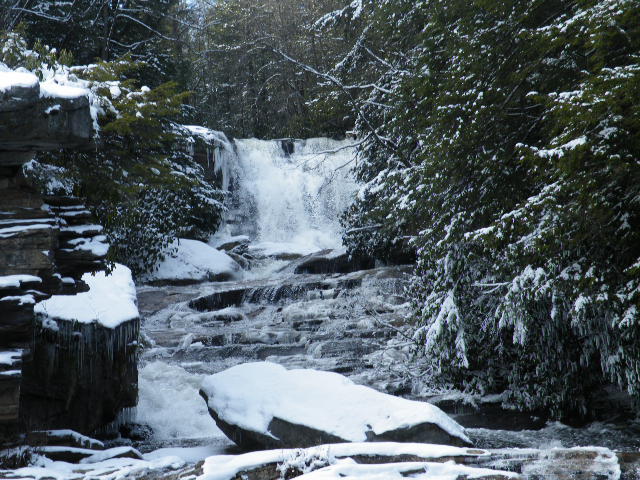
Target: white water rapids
<point>287,197</point>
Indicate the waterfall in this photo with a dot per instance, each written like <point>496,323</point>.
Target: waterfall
<point>288,195</point>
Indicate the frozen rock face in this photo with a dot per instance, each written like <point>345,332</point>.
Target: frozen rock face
<point>93,335</point>
<point>264,405</point>
<point>46,245</point>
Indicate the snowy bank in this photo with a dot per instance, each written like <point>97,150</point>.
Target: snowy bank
<point>264,405</point>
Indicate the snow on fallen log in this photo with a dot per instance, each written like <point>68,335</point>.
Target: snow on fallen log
<point>383,458</point>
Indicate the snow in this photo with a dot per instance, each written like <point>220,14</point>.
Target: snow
<point>113,469</point>
<point>188,454</point>
<point>14,281</point>
<point>82,229</point>
<point>208,135</point>
<point>325,401</point>
<point>110,301</point>
<point>194,261</point>
<point>10,357</point>
<point>348,470</point>
<point>21,299</point>
<point>81,439</point>
<point>51,89</point>
<point>103,455</point>
<point>98,245</point>
<point>226,467</point>
<point>9,80</point>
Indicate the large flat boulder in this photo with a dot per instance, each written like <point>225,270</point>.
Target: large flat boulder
<point>262,405</point>
<point>383,461</point>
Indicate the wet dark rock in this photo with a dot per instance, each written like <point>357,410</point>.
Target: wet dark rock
<point>80,376</point>
<point>65,453</point>
<point>136,432</point>
<point>343,348</point>
<point>331,261</point>
<point>238,244</point>
<point>270,293</point>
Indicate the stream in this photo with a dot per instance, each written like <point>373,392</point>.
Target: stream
<point>327,314</point>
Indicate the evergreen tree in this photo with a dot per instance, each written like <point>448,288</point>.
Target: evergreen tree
<point>244,85</point>
<point>502,149</point>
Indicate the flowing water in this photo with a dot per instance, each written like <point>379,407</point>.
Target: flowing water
<point>286,198</point>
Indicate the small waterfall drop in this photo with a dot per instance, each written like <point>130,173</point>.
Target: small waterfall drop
<point>288,195</point>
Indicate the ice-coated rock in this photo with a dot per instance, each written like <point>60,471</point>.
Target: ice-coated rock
<point>264,405</point>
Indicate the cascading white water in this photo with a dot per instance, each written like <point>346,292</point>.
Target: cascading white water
<point>290,201</point>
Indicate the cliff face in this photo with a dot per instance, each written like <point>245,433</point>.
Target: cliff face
<point>49,377</point>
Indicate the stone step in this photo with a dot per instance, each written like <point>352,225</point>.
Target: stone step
<point>270,293</point>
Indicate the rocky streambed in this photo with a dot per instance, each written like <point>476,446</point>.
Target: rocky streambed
<point>303,313</point>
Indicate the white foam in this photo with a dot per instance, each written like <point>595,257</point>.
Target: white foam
<point>170,404</point>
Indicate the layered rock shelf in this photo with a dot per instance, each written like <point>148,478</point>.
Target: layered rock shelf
<point>47,243</point>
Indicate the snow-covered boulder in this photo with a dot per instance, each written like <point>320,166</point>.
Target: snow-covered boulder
<point>193,262</point>
<point>110,301</point>
<point>263,405</point>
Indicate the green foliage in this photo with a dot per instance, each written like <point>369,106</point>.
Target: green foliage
<point>504,151</point>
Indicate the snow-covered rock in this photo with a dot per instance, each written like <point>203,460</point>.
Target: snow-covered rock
<point>263,405</point>
<point>193,262</point>
<point>110,301</point>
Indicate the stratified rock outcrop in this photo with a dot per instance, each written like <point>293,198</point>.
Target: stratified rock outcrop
<point>46,245</point>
